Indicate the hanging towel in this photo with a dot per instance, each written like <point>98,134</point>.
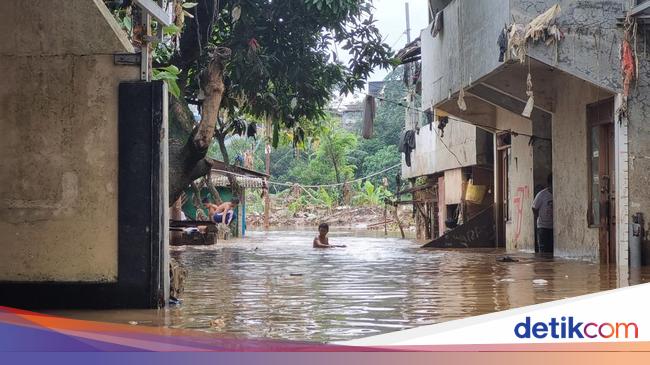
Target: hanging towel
<point>369,109</point>
<point>502,42</point>
<point>406,145</point>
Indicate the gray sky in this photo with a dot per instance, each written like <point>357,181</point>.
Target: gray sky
<point>390,16</point>
<point>391,21</point>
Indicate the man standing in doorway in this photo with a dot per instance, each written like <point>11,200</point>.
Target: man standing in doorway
<point>543,212</point>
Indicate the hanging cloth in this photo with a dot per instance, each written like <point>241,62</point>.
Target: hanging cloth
<point>369,109</point>
<point>528,109</point>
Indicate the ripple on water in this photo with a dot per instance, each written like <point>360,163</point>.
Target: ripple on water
<point>275,285</point>
<point>286,289</point>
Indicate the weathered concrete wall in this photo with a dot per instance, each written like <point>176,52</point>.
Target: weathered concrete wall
<point>431,155</point>
<point>465,50</point>
<point>55,27</point>
<point>519,228</point>
<point>573,237</point>
<point>58,173</point>
<point>590,48</point>
<point>638,128</point>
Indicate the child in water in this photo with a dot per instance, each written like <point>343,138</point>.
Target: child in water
<point>322,241</point>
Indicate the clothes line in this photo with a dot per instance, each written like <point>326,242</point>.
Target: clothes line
<point>493,129</point>
<point>289,184</point>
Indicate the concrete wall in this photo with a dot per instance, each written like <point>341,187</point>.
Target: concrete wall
<point>58,173</point>
<point>465,50</point>
<point>591,44</point>
<point>573,237</point>
<point>637,135</point>
<point>519,228</point>
<point>431,156</point>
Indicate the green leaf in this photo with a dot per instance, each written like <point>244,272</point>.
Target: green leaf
<point>171,30</point>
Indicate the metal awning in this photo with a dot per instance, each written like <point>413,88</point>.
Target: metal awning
<point>219,180</point>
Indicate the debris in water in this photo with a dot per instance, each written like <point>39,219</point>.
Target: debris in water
<point>507,280</point>
<point>218,323</point>
<point>296,274</point>
<point>507,259</point>
<point>540,282</point>
<point>133,323</point>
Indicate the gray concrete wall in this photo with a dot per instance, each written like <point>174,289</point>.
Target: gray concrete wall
<point>431,155</point>
<point>519,227</point>
<point>590,49</point>
<point>573,237</point>
<point>58,173</point>
<point>638,131</point>
<point>465,50</point>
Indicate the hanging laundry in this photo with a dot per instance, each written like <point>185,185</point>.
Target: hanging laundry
<point>528,109</point>
<point>628,66</point>
<point>429,115</point>
<point>542,26</point>
<point>369,109</point>
<point>502,42</point>
<point>442,123</point>
<point>517,42</point>
<point>251,130</point>
<point>461,99</point>
<point>437,24</point>
<point>406,145</point>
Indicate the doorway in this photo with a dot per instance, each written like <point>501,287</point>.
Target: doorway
<point>602,182</point>
<point>503,193</point>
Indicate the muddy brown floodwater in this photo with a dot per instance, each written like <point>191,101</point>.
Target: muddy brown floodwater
<point>275,285</point>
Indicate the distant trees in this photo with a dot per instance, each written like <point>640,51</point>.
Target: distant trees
<point>272,60</point>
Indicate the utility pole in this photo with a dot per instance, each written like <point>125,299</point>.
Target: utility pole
<point>408,23</point>
<point>267,198</point>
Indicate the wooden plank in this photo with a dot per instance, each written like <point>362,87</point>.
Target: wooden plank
<point>639,8</point>
<point>475,233</point>
<point>155,11</point>
<point>173,223</point>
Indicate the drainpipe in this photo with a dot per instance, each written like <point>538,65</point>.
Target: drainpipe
<point>636,235</point>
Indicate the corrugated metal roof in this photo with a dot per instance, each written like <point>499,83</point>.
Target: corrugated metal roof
<point>245,182</point>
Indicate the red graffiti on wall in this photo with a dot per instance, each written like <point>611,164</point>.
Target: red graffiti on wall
<point>523,192</point>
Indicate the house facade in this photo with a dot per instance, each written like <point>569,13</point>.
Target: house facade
<point>545,77</point>
<point>83,182</point>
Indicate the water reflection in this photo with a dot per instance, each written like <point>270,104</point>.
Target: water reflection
<point>276,286</point>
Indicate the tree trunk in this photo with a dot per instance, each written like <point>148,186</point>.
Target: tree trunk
<point>186,158</point>
<point>187,161</point>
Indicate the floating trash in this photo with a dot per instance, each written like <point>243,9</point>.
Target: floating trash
<point>133,323</point>
<point>507,280</point>
<point>540,282</point>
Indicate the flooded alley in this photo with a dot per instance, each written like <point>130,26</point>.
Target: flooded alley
<point>275,285</point>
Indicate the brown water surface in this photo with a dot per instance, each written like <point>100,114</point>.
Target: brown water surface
<point>275,285</point>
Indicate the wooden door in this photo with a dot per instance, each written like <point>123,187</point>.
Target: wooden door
<point>502,196</point>
<point>603,177</point>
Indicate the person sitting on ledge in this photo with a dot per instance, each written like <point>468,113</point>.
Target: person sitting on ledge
<point>222,213</point>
